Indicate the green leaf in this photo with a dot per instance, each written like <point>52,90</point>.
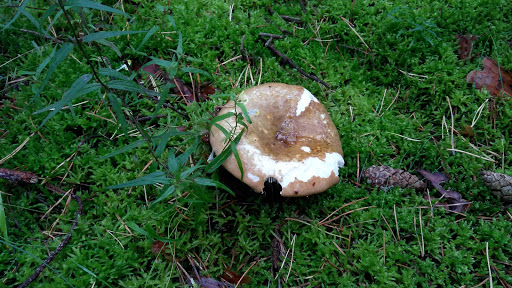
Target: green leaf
<point>217,161</point>
<point>221,117</point>
<point>195,70</point>
<point>190,170</point>
<point>166,64</point>
<point>57,59</point>
<point>124,149</point>
<point>179,49</point>
<point>18,13</point>
<point>183,157</point>
<point>113,73</point>
<point>244,112</point>
<point>172,163</point>
<point>34,21</point>
<point>210,182</point>
<point>45,62</point>
<point>3,220</point>
<point>111,45</point>
<point>238,160</point>
<point>114,101</point>
<point>164,138</point>
<point>153,178</point>
<point>146,38</point>
<point>163,97</point>
<point>224,131</point>
<point>107,34</point>
<point>77,89</point>
<point>153,235</point>
<point>93,5</point>
<point>165,194</point>
<point>136,228</point>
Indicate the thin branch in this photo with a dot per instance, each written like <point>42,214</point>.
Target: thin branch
<point>62,244</point>
<point>289,61</point>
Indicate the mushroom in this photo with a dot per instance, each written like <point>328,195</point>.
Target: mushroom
<point>290,145</point>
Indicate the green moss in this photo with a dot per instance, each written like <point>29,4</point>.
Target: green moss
<point>414,63</point>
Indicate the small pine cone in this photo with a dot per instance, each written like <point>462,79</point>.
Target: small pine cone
<point>387,177</point>
<point>499,184</point>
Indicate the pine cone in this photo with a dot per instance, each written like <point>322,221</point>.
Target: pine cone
<point>386,177</point>
<point>499,184</point>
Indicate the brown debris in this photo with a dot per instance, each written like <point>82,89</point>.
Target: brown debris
<point>466,45</point>
<point>18,176</point>
<point>386,177</point>
<point>454,201</point>
<point>234,278</point>
<point>499,184</point>
<point>492,77</point>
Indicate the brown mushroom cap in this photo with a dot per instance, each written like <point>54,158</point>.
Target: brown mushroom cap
<point>291,139</point>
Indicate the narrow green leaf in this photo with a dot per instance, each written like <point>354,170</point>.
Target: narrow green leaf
<point>171,19</point>
<point>18,13</point>
<point>90,273</point>
<point>113,73</point>
<point>45,62</point>
<point>222,129</point>
<point>124,149</point>
<point>164,138</point>
<point>153,235</point>
<point>221,117</point>
<point>153,178</point>
<point>125,85</point>
<point>179,50</point>
<point>107,34</point>
<point>183,157</point>
<point>34,21</point>
<point>136,228</point>
<point>111,45</point>
<point>93,5</point>
<point>163,96</point>
<point>77,89</point>
<point>238,160</point>
<point>244,111</point>
<point>172,163</point>
<point>57,59</point>
<point>166,193</point>
<point>190,170</point>
<point>210,182</point>
<point>166,64</point>
<point>195,70</point>
<point>116,105</point>
<point>217,161</point>
<point>3,220</point>
<point>146,38</point>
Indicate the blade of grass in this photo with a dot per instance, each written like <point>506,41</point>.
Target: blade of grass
<point>153,178</point>
<point>93,5</point>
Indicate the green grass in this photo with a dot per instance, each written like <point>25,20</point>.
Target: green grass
<point>382,240</point>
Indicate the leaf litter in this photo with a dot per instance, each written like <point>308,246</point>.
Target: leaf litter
<point>496,80</point>
<point>454,201</point>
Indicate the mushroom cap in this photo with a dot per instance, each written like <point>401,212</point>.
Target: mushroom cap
<point>291,139</point>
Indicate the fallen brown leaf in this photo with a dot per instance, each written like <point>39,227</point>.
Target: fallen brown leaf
<point>466,45</point>
<point>492,77</point>
<point>454,201</point>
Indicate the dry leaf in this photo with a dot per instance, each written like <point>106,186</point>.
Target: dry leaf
<point>454,200</point>
<point>234,278</point>
<point>386,177</point>
<point>490,78</point>
<point>466,45</point>
<point>499,184</point>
